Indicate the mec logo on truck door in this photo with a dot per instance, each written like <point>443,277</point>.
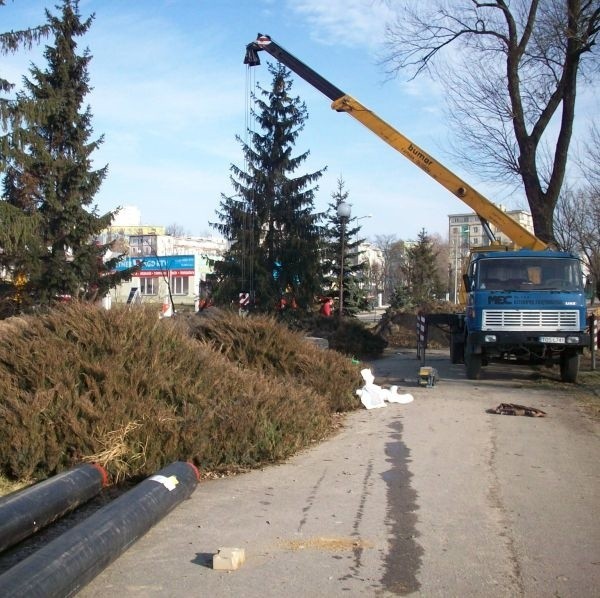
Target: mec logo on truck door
<point>499,300</point>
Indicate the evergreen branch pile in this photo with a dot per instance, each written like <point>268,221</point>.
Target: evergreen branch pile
<point>80,383</point>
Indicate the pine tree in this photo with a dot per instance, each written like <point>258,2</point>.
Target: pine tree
<point>48,173</point>
<point>270,222</point>
<point>18,231</point>
<point>421,271</point>
<point>355,298</point>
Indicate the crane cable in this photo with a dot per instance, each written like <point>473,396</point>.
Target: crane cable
<point>248,211</point>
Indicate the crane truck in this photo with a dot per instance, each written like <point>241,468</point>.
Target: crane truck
<point>522,303</point>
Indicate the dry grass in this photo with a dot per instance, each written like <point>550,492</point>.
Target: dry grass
<point>135,393</point>
<point>117,453</point>
<point>588,387</point>
<point>8,486</point>
<point>328,544</point>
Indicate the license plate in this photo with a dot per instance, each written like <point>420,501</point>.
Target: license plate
<point>552,339</point>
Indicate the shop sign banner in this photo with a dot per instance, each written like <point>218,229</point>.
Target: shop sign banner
<point>169,265</point>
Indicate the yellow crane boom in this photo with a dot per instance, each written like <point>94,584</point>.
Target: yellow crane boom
<point>342,102</point>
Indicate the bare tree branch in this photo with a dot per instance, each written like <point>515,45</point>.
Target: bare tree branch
<point>511,72</point>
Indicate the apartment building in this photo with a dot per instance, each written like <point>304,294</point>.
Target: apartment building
<point>170,265</point>
<point>465,231</point>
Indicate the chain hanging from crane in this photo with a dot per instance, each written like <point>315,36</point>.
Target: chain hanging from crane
<point>248,240</point>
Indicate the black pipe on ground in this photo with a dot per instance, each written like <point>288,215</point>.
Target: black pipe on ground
<point>26,511</point>
<point>68,563</point>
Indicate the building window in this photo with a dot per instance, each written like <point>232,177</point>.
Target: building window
<point>149,286</point>
<point>142,245</point>
<point>475,229</point>
<point>180,285</point>
<point>475,241</point>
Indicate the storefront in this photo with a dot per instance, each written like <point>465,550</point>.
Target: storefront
<point>179,273</point>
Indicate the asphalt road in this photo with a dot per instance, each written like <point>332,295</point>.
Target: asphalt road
<point>434,498</point>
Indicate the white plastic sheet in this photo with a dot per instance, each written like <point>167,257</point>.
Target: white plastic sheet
<point>373,396</point>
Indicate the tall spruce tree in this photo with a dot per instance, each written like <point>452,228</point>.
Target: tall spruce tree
<point>355,297</point>
<point>271,222</point>
<point>48,173</point>
<point>421,270</point>
<point>17,230</point>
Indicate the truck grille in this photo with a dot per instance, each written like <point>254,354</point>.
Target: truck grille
<point>525,319</point>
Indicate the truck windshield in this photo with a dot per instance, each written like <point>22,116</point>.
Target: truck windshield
<point>524,274</point>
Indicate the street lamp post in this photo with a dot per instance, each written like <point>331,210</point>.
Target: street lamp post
<point>357,261</point>
<point>343,212</point>
<point>455,271</point>
<point>357,218</point>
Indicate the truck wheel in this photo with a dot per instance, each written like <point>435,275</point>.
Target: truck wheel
<point>457,351</point>
<point>569,367</point>
<point>473,363</point>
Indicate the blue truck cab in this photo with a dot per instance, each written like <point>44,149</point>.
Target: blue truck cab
<point>526,306</point>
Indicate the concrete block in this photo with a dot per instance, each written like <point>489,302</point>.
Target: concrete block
<point>229,559</point>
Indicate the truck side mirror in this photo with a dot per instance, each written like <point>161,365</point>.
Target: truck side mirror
<point>467,282</point>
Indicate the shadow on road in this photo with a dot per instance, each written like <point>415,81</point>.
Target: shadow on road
<point>403,559</point>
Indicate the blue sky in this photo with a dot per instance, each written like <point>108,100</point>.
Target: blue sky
<point>170,97</point>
